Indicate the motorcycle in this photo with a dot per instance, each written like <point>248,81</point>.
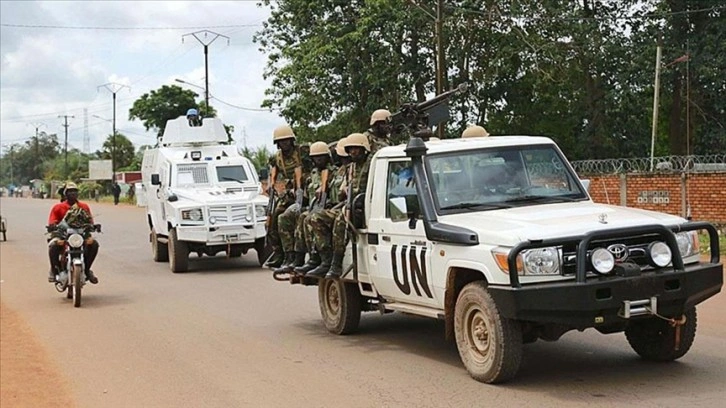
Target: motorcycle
<point>72,275</point>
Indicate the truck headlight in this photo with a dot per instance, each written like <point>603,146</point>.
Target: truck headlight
<point>659,254</point>
<point>602,260</point>
<point>261,212</point>
<point>75,240</point>
<point>539,261</point>
<point>687,243</point>
<point>195,214</point>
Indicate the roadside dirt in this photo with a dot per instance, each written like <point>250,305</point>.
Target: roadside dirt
<point>28,376</point>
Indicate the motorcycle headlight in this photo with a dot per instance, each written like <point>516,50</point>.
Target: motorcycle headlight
<point>687,243</point>
<point>261,211</point>
<point>602,260</point>
<point>75,240</point>
<point>541,261</point>
<point>195,214</point>
<point>659,254</point>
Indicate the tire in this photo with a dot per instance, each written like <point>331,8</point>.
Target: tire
<point>78,278</point>
<point>158,249</point>
<point>490,346</point>
<point>654,339</point>
<point>263,251</point>
<point>178,253</point>
<point>340,305</point>
<point>235,252</point>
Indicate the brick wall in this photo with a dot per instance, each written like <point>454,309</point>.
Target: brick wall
<point>665,192</point>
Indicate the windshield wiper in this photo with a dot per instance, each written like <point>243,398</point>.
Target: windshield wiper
<point>477,206</point>
<point>232,179</point>
<point>539,198</point>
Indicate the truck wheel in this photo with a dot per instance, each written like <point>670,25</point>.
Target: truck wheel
<point>178,253</point>
<point>340,305</point>
<point>655,339</point>
<point>490,345</point>
<point>159,250</point>
<point>263,251</point>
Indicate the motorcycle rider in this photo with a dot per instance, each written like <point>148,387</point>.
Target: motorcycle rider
<point>82,213</point>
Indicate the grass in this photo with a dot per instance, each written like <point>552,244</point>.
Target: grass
<point>704,243</point>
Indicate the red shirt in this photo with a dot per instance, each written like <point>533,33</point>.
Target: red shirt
<point>59,211</point>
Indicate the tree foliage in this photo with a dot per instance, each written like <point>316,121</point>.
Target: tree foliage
<point>581,72</point>
<point>125,152</point>
<point>158,106</point>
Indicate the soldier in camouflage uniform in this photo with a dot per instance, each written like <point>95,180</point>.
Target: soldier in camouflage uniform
<point>286,173</point>
<point>320,223</point>
<point>358,149</point>
<point>379,133</point>
<point>474,131</point>
<point>291,222</point>
<point>74,214</point>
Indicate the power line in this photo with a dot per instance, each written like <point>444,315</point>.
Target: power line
<point>466,10</point>
<point>126,28</point>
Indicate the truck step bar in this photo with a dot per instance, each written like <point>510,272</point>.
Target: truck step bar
<point>413,309</point>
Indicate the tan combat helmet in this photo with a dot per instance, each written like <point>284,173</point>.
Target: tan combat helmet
<point>319,149</point>
<point>358,139</point>
<point>340,147</point>
<point>474,131</point>
<point>282,132</point>
<point>380,115</point>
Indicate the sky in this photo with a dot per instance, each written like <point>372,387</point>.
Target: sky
<point>51,67</point>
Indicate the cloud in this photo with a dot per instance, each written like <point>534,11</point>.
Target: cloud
<point>46,72</point>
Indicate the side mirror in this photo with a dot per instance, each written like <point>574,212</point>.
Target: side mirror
<point>155,180</point>
<point>172,198</point>
<point>586,184</point>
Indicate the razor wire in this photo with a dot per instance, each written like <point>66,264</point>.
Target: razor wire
<point>665,164</point>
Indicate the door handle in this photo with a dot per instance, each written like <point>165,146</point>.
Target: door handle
<point>386,238</point>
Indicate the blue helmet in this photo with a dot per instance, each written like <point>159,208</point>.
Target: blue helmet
<point>192,112</point>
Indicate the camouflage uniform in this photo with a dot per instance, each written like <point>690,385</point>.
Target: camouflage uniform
<point>288,220</point>
<point>284,182</point>
<point>359,179</point>
<point>320,224</point>
<point>376,142</point>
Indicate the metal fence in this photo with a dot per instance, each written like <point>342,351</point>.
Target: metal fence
<point>666,164</point>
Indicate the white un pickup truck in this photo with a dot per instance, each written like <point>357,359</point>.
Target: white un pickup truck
<point>499,238</point>
<point>201,195</point>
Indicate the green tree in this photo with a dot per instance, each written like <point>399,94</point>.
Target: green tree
<point>158,106</point>
<point>125,152</point>
<point>259,157</point>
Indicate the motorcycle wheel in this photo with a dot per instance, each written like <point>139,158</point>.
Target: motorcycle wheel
<point>77,285</point>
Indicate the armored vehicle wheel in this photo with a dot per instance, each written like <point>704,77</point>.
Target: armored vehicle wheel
<point>159,249</point>
<point>178,253</point>
<point>340,305</point>
<point>655,339</point>
<point>263,251</point>
<point>490,345</point>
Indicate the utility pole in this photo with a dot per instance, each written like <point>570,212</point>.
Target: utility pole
<point>37,148</point>
<point>113,88</point>
<point>441,64</point>
<point>214,36</point>
<point>656,95</point>
<point>65,125</point>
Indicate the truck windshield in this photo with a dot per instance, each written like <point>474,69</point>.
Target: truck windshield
<point>489,179</point>
<point>231,173</point>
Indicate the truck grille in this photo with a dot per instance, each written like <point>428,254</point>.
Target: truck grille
<point>626,249</point>
<point>230,213</point>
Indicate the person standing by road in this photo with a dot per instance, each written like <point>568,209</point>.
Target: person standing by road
<point>116,190</point>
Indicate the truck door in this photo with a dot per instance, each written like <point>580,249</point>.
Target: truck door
<point>157,199</point>
<point>403,254</point>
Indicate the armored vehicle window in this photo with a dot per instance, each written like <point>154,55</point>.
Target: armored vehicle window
<point>231,173</point>
<point>192,174</point>
<point>401,189</point>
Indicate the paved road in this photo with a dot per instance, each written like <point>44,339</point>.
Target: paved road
<point>226,335</point>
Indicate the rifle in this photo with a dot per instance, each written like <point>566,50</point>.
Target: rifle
<point>320,203</point>
<point>414,117</point>
<point>271,201</point>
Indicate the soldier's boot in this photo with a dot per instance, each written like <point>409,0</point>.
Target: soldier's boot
<point>286,264</point>
<point>276,258</point>
<point>311,264</point>
<point>322,269</point>
<point>336,267</point>
<point>298,259</point>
